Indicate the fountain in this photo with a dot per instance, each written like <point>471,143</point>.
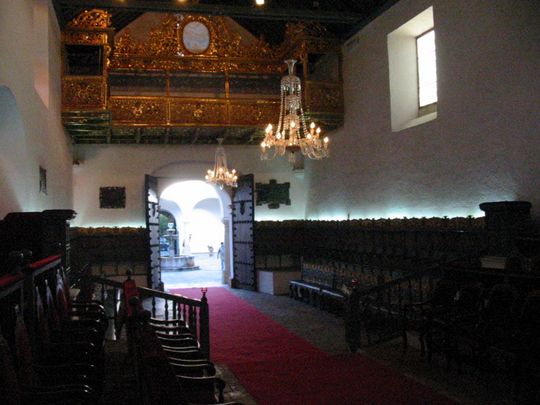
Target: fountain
<point>172,261</point>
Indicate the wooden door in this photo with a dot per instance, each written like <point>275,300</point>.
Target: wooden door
<point>242,222</point>
<point>152,227</point>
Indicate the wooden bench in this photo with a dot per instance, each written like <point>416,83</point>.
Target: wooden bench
<point>325,283</point>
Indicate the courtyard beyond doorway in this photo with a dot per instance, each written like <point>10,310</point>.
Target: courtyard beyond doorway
<point>208,274</point>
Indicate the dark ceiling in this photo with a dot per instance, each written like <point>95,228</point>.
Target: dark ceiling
<point>341,17</point>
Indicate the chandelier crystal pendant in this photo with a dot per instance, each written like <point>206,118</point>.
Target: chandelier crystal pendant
<point>292,134</point>
<point>220,175</point>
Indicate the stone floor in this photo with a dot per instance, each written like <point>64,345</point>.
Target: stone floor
<point>209,274</point>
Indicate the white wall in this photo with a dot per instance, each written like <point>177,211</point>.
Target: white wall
<point>126,165</point>
<point>484,144</point>
<point>31,134</point>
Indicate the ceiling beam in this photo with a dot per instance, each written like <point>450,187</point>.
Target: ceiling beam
<point>276,14</point>
<point>367,19</point>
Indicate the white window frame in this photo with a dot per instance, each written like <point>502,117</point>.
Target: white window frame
<point>403,73</point>
<point>425,108</point>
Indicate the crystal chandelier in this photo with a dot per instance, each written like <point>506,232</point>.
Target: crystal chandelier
<point>292,134</point>
<point>221,176</point>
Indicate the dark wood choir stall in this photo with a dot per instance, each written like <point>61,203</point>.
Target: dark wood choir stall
<point>53,346</point>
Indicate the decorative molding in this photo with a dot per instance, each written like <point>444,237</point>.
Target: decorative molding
<point>84,92</point>
<point>93,19</point>
<point>165,43</point>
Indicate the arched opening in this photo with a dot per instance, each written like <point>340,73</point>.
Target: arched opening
<point>197,216</point>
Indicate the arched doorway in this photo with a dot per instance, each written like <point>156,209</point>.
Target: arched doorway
<point>200,213</point>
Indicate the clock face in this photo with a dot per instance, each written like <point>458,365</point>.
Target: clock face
<point>196,37</point>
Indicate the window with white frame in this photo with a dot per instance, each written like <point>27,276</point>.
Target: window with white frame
<point>427,69</point>
<point>412,72</point>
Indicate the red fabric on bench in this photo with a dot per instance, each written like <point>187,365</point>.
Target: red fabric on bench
<point>130,291</point>
<point>8,279</point>
<point>43,262</point>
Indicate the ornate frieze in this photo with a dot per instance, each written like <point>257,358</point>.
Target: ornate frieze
<point>84,38</point>
<point>170,47</point>
<point>258,113</point>
<point>139,110</point>
<point>190,71</point>
<point>179,111</point>
<point>324,97</point>
<point>84,92</point>
<point>198,111</point>
<point>91,19</point>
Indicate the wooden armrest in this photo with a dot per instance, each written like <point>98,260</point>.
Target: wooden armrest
<point>171,329</point>
<point>172,351</point>
<point>174,334</point>
<point>194,370</point>
<point>202,388</point>
<point>156,321</point>
<point>176,348</point>
<point>201,361</point>
<point>177,342</point>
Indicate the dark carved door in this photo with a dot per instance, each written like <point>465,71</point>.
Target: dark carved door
<point>242,222</point>
<point>152,227</point>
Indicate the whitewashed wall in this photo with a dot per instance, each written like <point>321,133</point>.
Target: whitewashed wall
<point>126,165</point>
<point>31,132</point>
<point>485,143</point>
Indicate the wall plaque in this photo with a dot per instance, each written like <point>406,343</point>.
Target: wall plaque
<point>273,194</point>
<point>112,197</point>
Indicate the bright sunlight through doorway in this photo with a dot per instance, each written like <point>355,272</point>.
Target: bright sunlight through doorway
<point>192,229</point>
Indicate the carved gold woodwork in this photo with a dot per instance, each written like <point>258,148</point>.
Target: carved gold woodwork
<point>258,113</point>
<point>324,97</point>
<point>194,64</point>
<point>93,19</point>
<point>164,52</point>
<point>84,93</point>
<point>139,110</point>
<point>180,111</point>
<point>197,111</point>
<point>84,38</point>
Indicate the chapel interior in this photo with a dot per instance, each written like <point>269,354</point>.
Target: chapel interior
<point>363,175</point>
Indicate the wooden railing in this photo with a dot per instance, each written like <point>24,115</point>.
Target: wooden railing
<point>193,312</point>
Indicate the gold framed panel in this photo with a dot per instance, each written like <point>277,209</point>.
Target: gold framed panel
<point>198,111</point>
<point>139,110</point>
<point>80,93</point>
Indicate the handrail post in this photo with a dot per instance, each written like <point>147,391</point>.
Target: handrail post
<point>204,325</point>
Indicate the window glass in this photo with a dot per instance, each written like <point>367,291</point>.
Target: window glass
<point>427,69</point>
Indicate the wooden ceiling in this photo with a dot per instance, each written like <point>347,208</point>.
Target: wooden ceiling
<point>341,17</point>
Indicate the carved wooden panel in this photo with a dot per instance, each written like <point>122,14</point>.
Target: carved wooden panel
<point>324,97</point>
<point>148,110</point>
<point>206,112</point>
<point>83,93</point>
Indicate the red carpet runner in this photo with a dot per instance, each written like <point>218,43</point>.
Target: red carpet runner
<point>279,368</point>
